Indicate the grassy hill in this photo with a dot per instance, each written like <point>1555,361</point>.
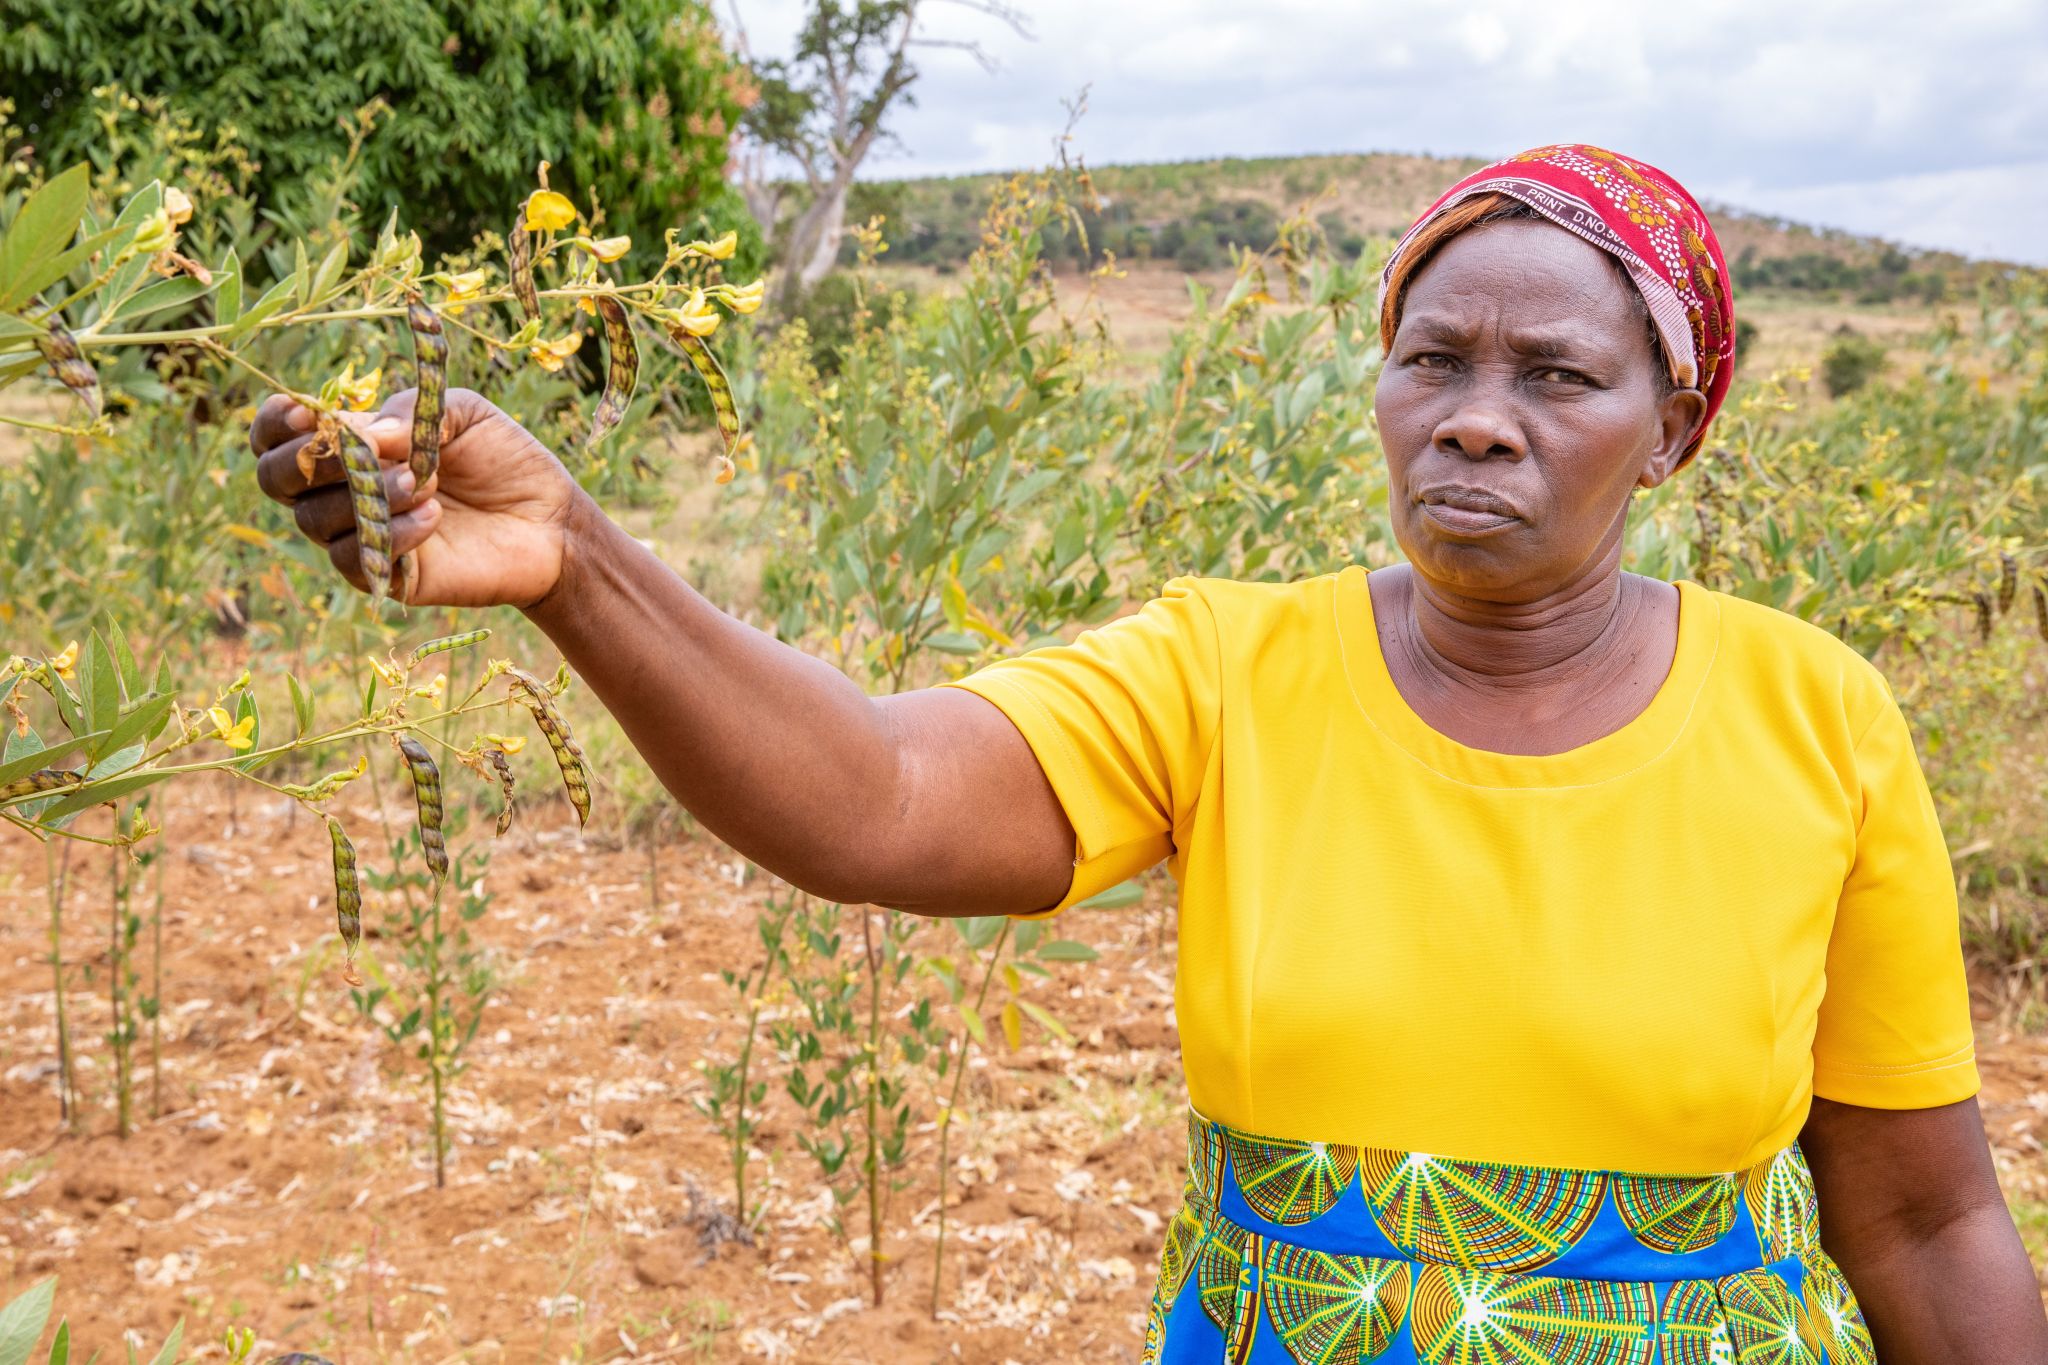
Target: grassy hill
<point>1191,213</point>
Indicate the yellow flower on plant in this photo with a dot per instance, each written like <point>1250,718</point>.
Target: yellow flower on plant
<point>745,298</point>
<point>236,734</point>
<point>390,676</point>
<point>461,288</point>
<point>552,355</point>
<point>548,211</point>
<point>178,205</point>
<point>359,394</point>
<point>609,249</point>
<point>697,316</point>
<point>723,248</point>
<point>66,660</point>
<point>510,744</point>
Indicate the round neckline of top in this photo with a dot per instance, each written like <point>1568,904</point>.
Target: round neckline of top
<point>1647,737</point>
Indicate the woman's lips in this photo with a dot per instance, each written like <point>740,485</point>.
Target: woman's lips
<point>1467,512</point>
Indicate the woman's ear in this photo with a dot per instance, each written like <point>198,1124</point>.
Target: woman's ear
<point>1678,420</point>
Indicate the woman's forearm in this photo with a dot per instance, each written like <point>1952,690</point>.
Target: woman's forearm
<point>929,801</point>
<point>1962,1294</point>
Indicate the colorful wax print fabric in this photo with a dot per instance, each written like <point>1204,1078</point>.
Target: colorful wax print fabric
<point>1311,1253</point>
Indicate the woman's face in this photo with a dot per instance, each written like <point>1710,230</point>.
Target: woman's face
<point>1518,406</point>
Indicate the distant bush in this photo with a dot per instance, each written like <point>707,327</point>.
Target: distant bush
<point>1850,362</point>
<point>633,97</point>
<point>830,313</point>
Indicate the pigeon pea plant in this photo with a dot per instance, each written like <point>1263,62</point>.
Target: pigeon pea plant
<point>84,280</point>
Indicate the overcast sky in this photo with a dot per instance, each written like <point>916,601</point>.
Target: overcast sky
<point>1923,123</point>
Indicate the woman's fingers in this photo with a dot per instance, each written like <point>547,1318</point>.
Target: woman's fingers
<point>279,419</point>
<point>409,531</point>
<point>326,514</point>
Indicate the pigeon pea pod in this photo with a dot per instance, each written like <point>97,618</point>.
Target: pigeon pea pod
<point>348,898</point>
<point>537,698</point>
<point>426,791</point>
<point>621,374</point>
<point>60,348</point>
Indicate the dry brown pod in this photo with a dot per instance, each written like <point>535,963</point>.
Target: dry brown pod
<point>519,253</point>
<point>538,699</point>
<point>348,898</point>
<point>73,371</point>
<point>41,780</point>
<point>501,767</point>
<point>430,379</point>
<point>622,373</point>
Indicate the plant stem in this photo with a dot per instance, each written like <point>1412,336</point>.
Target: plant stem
<point>156,991</point>
<point>117,992</point>
<point>952,1105</point>
<point>57,871</point>
<point>874,1102</point>
<point>436,1061</point>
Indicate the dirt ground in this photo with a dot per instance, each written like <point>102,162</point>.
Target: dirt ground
<point>287,1183</point>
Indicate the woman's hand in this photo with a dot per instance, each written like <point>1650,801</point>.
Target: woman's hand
<point>490,528</point>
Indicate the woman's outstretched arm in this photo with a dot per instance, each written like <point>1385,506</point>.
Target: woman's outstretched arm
<point>930,801</point>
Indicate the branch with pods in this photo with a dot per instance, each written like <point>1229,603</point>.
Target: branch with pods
<point>73,289</point>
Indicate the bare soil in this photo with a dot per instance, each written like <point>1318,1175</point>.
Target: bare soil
<point>286,1185</point>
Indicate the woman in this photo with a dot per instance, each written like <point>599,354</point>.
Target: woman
<point>1541,924</point>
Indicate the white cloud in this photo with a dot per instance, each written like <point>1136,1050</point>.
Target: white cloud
<point>1875,115</point>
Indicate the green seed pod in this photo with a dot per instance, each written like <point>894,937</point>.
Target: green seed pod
<point>519,253</point>
<point>715,383</point>
<point>621,375</point>
<point>348,898</point>
<point>502,767</point>
<point>445,644</point>
<point>426,791</point>
<point>430,362</point>
<point>373,513</point>
<point>60,348</point>
<point>2008,583</point>
<point>533,693</point>
<point>41,780</point>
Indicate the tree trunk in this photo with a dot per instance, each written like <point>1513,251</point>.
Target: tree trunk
<point>813,244</point>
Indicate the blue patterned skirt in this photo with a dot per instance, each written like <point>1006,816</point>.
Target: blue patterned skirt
<point>1310,1253</point>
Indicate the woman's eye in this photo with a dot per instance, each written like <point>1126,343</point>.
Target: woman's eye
<point>1432,360</point>
<point>1563,377</point>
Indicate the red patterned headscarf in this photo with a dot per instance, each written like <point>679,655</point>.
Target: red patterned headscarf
<point>1640,215</point>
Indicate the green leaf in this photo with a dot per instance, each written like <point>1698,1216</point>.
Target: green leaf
<point>120,761</point>
<point>1066,950</point>
<point>1047,1022</point>
<point>13,327</point>
<point>302,705</point>
<point>979,930</point>
<point>113,789</point>
<point>1115,897</point>
<point>39,233</point>
<point>144,720</point>
<point>163,688</point>
<point>99,682</point>
<point>58,266</point>
<point>954,642</point>
<point>131,673</point>
<point>274,298</point>
<point>302,274</point>
<point>975,1028</point>
<point>227,303</point>
<point>169,1354</point>
<point>60,1348</point>
<point>155,298</point>
<point>331,267</point>
<point>21,1322</point>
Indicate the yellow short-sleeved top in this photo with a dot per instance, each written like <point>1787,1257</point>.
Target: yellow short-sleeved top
<point>1645,954</point>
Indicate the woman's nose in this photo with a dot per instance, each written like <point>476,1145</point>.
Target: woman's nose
<point>1480,429</point>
